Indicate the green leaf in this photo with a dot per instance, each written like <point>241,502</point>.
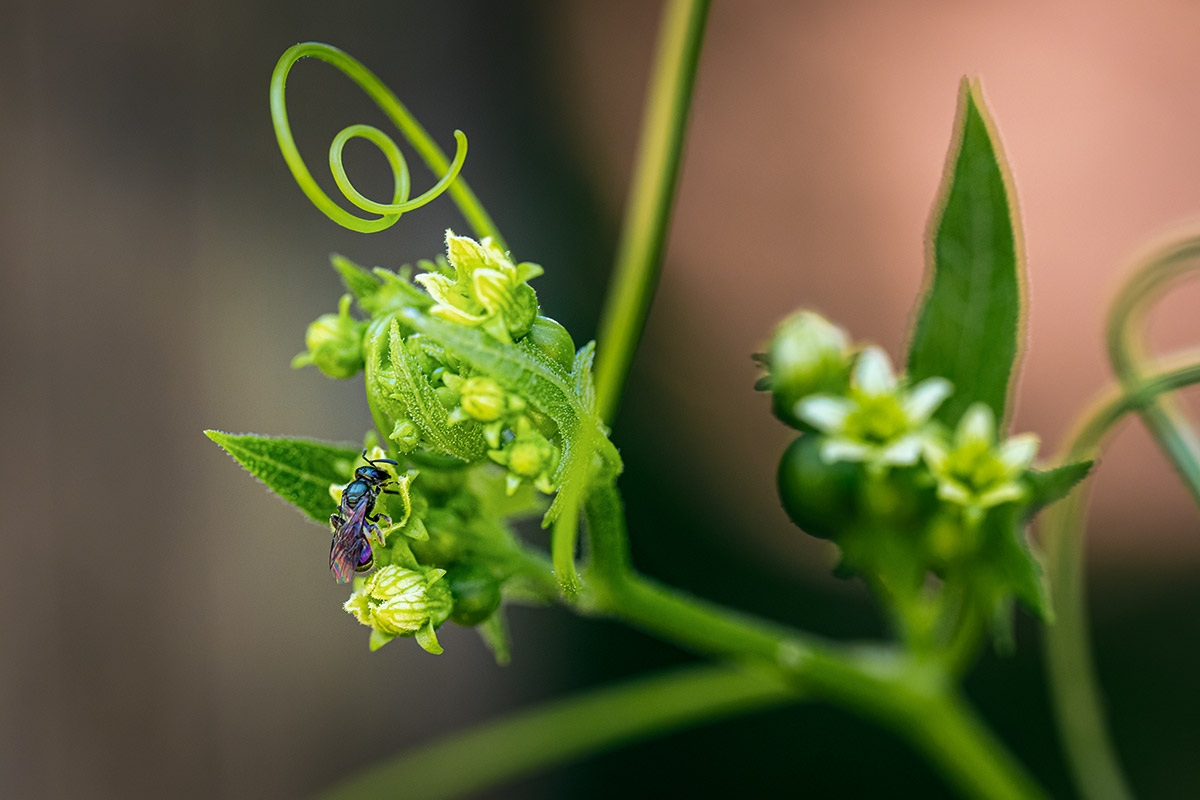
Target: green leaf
<point>358,280</point>
<point>378,639</point>
<point>494,632</point>
<point>298,470</point>
<point>968,328</point>
<point>1052,485</point>
<point>1012,565</point>
<point>428,639</point>
<point>395,378</point>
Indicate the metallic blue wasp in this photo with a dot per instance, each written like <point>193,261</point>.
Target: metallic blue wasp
<point>353,524</point>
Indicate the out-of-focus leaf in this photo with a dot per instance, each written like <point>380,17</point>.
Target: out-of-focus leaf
<point>1052,485</point>
<point>968,328</point>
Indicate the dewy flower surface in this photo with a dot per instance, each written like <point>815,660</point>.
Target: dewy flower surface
<point>880,422</point>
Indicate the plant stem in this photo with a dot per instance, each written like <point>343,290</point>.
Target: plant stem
<point>644,232</point>
<point>1067,644</point>
<point>914,700</point>
<point>568,729</point>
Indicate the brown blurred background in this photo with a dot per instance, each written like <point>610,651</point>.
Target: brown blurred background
<point>170,630</point>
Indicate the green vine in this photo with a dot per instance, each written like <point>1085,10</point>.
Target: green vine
<point>486,413</point>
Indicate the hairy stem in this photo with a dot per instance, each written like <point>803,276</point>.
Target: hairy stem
<point>1067,644</point>
<point>644,232</point>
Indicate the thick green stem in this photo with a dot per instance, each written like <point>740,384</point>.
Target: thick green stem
<point>1067,644</point>
<point>914,700</point>
<point>644,233</point>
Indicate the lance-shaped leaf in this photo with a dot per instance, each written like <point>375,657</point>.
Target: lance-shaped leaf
<point>298,470</point>
<point>395,378</point>
<point>968,329</point>
<point>1050,486</point>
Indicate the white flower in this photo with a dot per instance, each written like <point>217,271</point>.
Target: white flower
<point>975,472</point>
<point>880,422</point>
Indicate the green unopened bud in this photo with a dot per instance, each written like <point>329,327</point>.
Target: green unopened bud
<point>335,343</point>
<point>529,456</point>
<point>483,399</point>
<point>476,594</point>
<point>553,340</point>
<point>396,601</point>
<point>808,355</point>
<point>406,435</point>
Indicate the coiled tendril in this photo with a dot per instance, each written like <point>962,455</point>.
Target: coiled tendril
<point>404,122</point>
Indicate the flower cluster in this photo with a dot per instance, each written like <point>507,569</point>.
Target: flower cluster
<point>480,285</point>
<point>906,483</point>
<point>478,396</point>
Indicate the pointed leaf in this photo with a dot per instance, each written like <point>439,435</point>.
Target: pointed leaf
<point>378,639</point>
<point>298,470</point>
<point>358,280</point>
<point>968,329</point>
<point>1050,486</point>
<point>1015,569</point>
<point>494,632</point>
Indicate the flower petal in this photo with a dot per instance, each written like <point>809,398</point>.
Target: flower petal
<point>953,492</point>
<point>923,399</point>
<point>824,411</point>
<point>1017,453</point>
<point>1005,493</point>
<point>902,452</point>
<point>873,372</point>
<point>978,424</point>
<point>834,450</point>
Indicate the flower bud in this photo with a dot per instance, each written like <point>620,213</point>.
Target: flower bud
<point>334,343</point>
<point>818,496</point>
<point>483,399</point>
<point>476,594</point>
<point>528,456</point>
<point>553,340</point>
<point>406,435</point>
<point>807,355</point>
<point>399,602</point>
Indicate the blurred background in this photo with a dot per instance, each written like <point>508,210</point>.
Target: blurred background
<point>169,629</point>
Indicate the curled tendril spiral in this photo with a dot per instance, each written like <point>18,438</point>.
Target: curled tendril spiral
<point>404,122</point>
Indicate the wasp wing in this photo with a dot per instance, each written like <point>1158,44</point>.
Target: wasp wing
<point>350,552</point>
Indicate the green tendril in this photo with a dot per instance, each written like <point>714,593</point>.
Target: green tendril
<point>1153,276</point>
<point>412,131</point>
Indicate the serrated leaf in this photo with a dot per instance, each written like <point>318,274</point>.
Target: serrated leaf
<point>298,470</point>
<point>968,328</point>
<point>359,281</point>
<point>1052,485</point>
<point>394,377</point>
